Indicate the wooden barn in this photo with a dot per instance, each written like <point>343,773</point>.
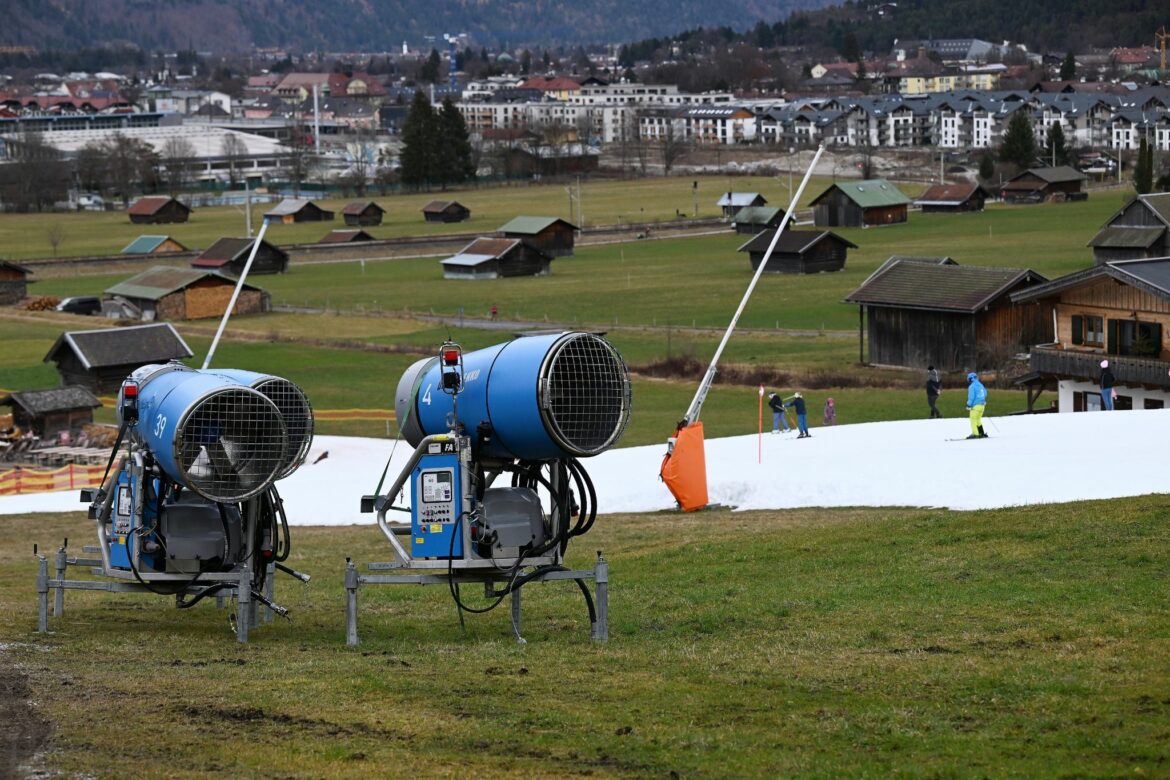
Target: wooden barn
<point>292,210</point>
<point>860,204</point>
<point>752,219</point>
<point>952,198</point>
<point>346,237</point>
<point>731,202</point>
<point>163,293</point>
<point>445,211</point>
<point>99,360</point>
<point>955,317</point>
<point>551,235</point>
<point>551,161</point>
<point>1141,229</point>
<point>48,413</point>
<point>799,251</point>
<point>363,213</point>
<point>1037,185</point>
<point>13,282</point>
<point>229,255</point>
<point>492,258</point>
<point>1119,311</point>
<point>158,211</point>
<point>153,245</point>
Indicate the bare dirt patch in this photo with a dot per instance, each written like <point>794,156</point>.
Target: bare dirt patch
<point>23,730</point>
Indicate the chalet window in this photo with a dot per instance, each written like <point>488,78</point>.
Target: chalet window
<point>1154,403</point>
<point>1094,331</point>
<point>1136,338</point>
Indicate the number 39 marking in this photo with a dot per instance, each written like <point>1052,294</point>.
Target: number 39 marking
<point>160,425</point>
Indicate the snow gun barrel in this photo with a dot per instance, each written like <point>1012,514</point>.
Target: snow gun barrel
<point>534,398</point>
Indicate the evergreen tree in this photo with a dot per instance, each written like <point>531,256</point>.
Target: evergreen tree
<point>420,143</point>
<point>1056,150</point>
<point>1143,173</point>
<point>430,69</point>
<point>986,167</point>
<point>1019,141</point>
<point>526,63</point>
<point>454,148</point>
<point>1068,68</point>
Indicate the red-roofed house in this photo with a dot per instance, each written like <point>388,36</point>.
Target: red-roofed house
<point>157,211</point>
<point>557,87</point>
<point>355,85</point>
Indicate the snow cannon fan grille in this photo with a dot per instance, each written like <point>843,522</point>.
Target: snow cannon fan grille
<point>298,418</point>
<point>585,394</point>
<point>231,444</point>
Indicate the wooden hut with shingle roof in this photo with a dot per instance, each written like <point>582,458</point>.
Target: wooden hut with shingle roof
<point>955,317</point>
<point>100,359</point>
<point>163,293</point>
<point>157,211</point>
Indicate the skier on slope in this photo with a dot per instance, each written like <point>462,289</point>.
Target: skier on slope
<point>797,403</point>
<point>779,417</point>
<point>976,402</point>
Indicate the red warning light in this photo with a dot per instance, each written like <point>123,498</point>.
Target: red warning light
<point>451,357</point>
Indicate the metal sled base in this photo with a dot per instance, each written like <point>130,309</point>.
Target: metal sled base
<point>251,613</point>
<point>599,631</point>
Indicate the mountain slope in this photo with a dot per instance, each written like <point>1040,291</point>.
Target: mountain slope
<point>366,25</point>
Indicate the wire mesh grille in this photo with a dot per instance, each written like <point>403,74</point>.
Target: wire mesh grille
<point>298,418</point>
<point>587,394</point>
<point>231,444</point>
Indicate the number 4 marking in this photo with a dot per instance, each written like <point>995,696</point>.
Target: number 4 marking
<point>426,399</point>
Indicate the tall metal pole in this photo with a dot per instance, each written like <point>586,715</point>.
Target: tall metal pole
<point>705,386</point>
<point>235,295</point>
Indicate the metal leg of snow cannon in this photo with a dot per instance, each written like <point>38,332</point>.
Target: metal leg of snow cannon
<point>245,612</point>
<point>59,596</point>
<point>351,589</point>
<point>601,578</point>
<point>516,618</point>
<point>42,594</point>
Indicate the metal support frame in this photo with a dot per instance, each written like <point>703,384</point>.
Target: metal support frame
<point>599,574</point>
<point>250,612</point>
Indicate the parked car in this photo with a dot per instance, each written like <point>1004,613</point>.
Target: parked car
<point>81,304</point>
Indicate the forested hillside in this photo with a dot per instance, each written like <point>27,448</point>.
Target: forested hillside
<point>1041,25</point>
<point>366,25</point>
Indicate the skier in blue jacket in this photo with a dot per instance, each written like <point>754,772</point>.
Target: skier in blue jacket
<point>797,403</point>
<point>976,402</point>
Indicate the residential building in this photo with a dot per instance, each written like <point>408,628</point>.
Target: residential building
<point>1117,311</point>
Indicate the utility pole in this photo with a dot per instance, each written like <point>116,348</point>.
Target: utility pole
<point>248,205</point>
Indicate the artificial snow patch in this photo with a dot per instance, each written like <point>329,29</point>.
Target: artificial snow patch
<point>1027,459</point>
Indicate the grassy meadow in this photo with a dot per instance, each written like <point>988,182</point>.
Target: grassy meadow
<point>842,643</point>
<point>691,281</point>
<point>603,202</point>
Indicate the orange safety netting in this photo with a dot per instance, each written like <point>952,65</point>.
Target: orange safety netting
<point>17,481</point>
<point>684,469</point>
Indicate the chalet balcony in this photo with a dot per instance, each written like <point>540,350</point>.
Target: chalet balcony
<point>1072,364</point>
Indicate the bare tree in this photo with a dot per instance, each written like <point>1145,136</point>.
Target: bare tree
<point>233,150</point>
<point>672,146</point>
<point>55,234</point>
<point>363,150</point>
<point>178,157</point>
<point>298,162</point>
<point>36,175</point>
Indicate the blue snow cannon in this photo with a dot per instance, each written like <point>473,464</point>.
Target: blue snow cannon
<point>206,431</point>
<point>539,397</point>
<point>294,407</point>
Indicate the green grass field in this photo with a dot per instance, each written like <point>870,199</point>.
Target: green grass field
<point>841,643</point>
<point>603,202</point>
<point>348,378</point>
<point>683,281</point>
